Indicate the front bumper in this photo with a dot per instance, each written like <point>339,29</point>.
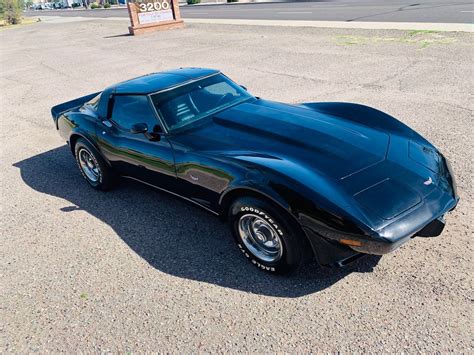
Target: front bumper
<point>426,220</point>
<point>336,248</point>
<point>432,229</point>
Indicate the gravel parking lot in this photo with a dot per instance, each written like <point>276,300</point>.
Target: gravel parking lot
<point>135,270</point>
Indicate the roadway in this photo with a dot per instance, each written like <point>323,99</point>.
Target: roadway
<point>423,11</point>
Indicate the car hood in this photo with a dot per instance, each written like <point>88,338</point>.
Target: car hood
<point>334,147</point>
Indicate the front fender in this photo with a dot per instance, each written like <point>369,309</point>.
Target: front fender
<point>315,221</point>
<point>364,115</point>
<point>302,192</point>
<point>249,188</point>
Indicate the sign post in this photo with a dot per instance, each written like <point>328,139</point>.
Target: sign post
<point>153,15</point>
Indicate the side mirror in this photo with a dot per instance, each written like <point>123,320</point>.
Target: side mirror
<point>243,87</point>
<point>139,128</point>
<point>155,134</point>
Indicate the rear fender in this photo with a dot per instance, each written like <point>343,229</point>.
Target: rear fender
<point>79,134</point>
<point>60,109</point>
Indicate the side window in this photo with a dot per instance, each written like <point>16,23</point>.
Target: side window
<point>131,109</point>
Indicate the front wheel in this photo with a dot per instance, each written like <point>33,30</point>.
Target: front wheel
<point>266,235</point>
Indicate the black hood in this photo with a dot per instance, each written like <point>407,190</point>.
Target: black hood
<point>334,147</point>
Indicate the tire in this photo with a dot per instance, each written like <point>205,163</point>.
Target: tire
<point>92,166</point>
<point>254,221</point>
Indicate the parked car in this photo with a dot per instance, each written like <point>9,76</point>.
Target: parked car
<point>324,180</point>
<point>42,6</point>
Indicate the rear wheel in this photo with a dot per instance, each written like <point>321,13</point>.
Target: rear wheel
<point>266,235</point>
<point>92,166</point>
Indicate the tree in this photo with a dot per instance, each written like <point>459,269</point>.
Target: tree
<point>10,11</point>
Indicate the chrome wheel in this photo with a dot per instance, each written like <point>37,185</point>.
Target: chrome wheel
<point>260,238</point>
<point>88,165</point>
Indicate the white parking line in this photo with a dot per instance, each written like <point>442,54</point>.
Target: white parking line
<point>467,11</point>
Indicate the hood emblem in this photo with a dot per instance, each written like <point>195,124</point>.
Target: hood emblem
<point>428,182</point>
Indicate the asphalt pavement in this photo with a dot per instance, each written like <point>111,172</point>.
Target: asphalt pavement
<point>429,11</point>
<point>134,270</point>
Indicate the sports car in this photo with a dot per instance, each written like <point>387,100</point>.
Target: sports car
<point>328,181</point>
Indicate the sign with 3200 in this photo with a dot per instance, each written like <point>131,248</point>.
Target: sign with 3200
<point>153,15</point>
<point>150,6</point>
<point>153,11</point>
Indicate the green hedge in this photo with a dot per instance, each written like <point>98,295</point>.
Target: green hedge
<point>10,11</point>
<point>192,2</point>
<point>95,5</point>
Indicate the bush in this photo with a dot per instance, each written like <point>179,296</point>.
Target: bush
<point>10,11</point>
<point>75,4</point>
<point>232,0</point>
<point>192,2</point>
<point>95,5</point>
<point>106,5</point>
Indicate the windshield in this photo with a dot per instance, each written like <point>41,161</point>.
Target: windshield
<point>196,100</point>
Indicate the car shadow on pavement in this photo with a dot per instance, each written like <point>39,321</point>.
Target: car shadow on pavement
<point>172,235</point>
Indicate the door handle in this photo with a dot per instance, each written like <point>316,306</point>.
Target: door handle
<point>107,124</point>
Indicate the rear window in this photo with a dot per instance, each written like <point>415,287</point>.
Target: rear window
<point>94,103</point>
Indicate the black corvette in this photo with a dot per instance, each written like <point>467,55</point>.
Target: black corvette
<point>329,181</point>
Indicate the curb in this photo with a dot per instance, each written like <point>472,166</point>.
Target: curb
<point>443,27</point>
<point>404,26</point>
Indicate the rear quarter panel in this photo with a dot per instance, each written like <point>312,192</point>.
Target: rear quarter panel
<point>72,125</point>
<point>58,110</point>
